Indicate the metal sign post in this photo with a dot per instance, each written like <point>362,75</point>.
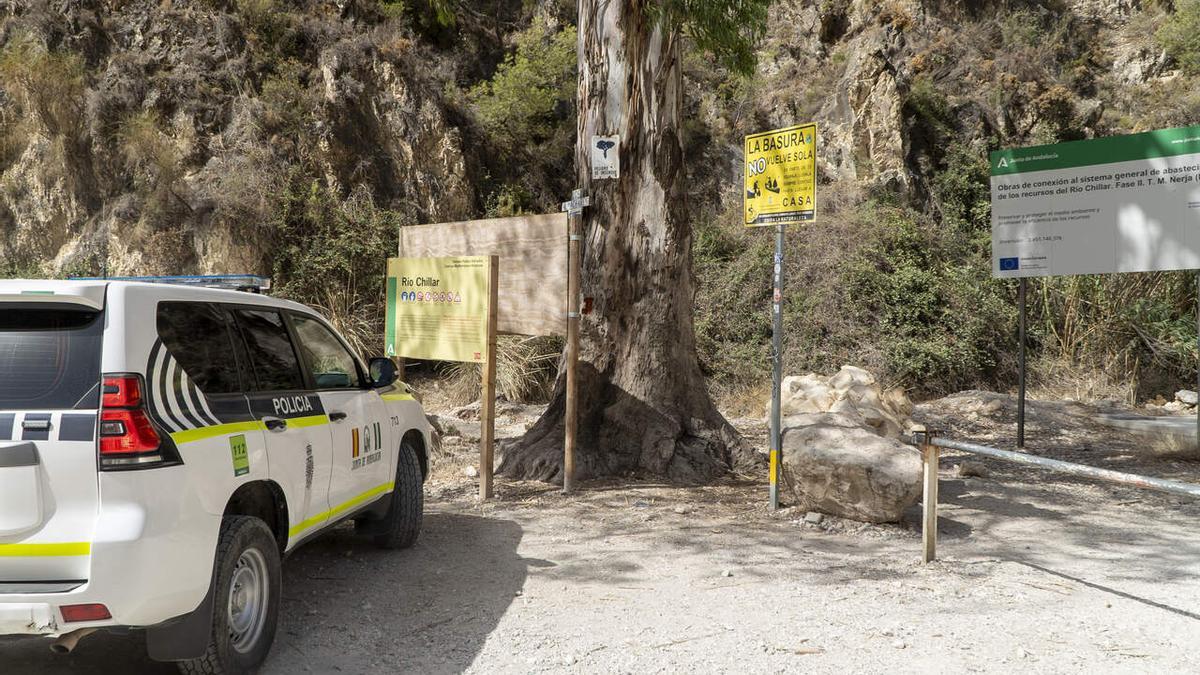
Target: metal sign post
<point>1021,290</point>
<point>574,238</point>
<point>777,366</point>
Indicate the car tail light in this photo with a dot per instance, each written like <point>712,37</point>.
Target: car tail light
<point>89,612</point>
<point>127,435</point>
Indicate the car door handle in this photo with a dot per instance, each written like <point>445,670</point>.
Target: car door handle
<point>274,423</point>
<point>337,416</point>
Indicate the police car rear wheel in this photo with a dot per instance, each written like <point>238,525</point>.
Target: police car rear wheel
<point>403,521</point>
<point>247,591</point>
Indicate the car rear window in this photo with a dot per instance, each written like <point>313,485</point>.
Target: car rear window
<point>49,359</point>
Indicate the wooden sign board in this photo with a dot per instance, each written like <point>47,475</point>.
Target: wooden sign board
<point>445,309</point>
<point>437,308</point>
<point>532,293</point>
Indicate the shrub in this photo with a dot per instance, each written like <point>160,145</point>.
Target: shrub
<point>939,320</point>
<point>1180,36</point>
<point>48,85</point>
<point>527,99</point>
<point>155,162</point>
<point>525,370</point>
<point>962,192</point>
<point>332,253</point>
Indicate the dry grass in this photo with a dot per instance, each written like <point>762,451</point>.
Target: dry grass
<point>742,400</point>
<point>1175,446</point>
<point>1053,378</point>
<point>525,371</point>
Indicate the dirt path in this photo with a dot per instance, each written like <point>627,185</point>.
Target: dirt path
<point>1038,573</point>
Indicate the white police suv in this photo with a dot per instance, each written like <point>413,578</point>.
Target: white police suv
<point>162,447</point>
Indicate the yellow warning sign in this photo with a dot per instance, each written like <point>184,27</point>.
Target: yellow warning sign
<point>781,176</point>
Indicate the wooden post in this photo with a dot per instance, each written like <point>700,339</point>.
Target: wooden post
<point>930,455</point>
<point>574,238</point>
<point>487,401</point>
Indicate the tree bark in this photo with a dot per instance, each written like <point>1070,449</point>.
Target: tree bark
<point>643,402</point>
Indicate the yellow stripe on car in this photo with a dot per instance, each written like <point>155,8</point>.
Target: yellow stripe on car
<point>344,506</point>
<point>202,433</point>
<point>191,435</point>
<point>398,397</point>
<point>310,421</point>
<point>45,550</point>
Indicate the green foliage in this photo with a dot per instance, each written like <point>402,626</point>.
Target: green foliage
<point>392,9</point>
<point>509,200</point>
<point>290,106</point>
<point>962,192</point>
<point>1180,36</point>
<point>728,29</point>
<point>331,253</point>
<point>154,160</point>
<point>939,320</point>
<point>47,85</point>
<point>271,27</point>
<point>1145,323</point>
<point>1023,28</point>
<point>525,99</point>
<point>928,104</point>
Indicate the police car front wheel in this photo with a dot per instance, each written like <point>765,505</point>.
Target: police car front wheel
<point>403,521</point>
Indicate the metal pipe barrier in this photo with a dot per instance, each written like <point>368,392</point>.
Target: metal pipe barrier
<point>930,444</point>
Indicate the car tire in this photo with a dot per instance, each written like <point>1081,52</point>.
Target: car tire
<point>402,524</point>
<point>246,578</point>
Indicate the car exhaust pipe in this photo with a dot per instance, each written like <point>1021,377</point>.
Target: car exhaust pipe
<point>65,644</point>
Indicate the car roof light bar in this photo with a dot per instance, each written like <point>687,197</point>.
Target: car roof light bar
<point>251,283</point>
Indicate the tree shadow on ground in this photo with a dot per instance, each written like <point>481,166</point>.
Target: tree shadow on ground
<point>350,607</point>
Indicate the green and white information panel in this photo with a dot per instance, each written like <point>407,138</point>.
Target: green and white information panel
<point>1117,204</point>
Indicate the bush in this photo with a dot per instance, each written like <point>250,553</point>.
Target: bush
<point>962,192</point>
<point>48,85</point>
<point>1180,36</point>
<point>332,253</point>
<point>529,98</point>
<point>525,370</point>
<point>939,320</point>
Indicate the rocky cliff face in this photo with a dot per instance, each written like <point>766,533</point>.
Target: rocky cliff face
<point>158,137</point>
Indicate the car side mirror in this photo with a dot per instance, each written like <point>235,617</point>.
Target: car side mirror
<point>383,372</point>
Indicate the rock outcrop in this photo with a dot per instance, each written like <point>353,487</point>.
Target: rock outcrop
<point>841,455</point>
<point>159,138</point>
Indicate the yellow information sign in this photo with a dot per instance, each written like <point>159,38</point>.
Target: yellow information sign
<point>781,176</point>
<point>437,308</point>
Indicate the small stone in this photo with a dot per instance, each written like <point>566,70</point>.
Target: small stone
<point>726,573</point>
<point>900,644</point>
<point>681,509</point>
<point>813,518</point>
<point>1022,653</point>
<point>471,472</point>
<point>969,469</point>
<point>1187,397</point>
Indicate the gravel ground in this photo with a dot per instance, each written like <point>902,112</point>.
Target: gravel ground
<point>1038,572</point>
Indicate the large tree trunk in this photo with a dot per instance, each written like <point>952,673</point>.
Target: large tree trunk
<point>643,402</point>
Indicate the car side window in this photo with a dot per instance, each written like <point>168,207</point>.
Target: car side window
<point>330,364</point>
<point>197,335</point>
<point>272,355</point>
